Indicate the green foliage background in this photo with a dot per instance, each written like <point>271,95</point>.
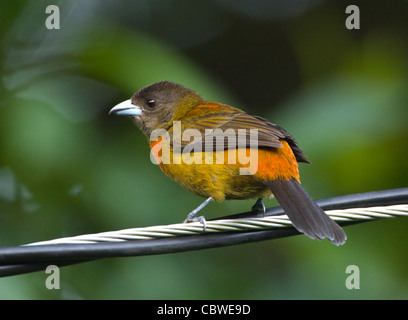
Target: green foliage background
<point>67,168</point>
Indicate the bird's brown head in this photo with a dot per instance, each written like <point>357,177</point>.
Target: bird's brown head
<point>158,105</point>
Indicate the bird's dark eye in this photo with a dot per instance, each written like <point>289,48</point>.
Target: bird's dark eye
<point>151,103</point>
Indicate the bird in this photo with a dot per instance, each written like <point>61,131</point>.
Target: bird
<point>220,152</point>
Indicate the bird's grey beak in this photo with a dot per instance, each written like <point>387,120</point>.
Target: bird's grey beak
<point>126,108</point>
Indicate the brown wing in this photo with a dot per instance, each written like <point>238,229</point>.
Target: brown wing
<point>230,128</point>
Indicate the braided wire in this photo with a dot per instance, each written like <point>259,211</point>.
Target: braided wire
<point>269,222</point>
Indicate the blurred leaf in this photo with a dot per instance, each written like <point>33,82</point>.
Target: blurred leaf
<point>132,60</point>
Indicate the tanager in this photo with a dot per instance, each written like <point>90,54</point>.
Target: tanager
<point>220,152</point>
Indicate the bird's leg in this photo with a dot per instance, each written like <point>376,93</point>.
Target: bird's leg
<point>191,217</point>
<point>259,206</point>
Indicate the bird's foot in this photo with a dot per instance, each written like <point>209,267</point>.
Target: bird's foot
<point>191,217</point>
<point>200,219</point>
<point>259,206</point>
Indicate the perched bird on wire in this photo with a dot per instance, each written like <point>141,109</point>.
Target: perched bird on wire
<point>221,153</point>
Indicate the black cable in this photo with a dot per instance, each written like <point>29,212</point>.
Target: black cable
<point>24,259</point>
<point>357,200</point>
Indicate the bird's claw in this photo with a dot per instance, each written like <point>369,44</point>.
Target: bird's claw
<point>259,206</point>
<point>200,219</point>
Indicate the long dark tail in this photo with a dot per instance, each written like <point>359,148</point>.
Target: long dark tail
<point>305,214</point>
